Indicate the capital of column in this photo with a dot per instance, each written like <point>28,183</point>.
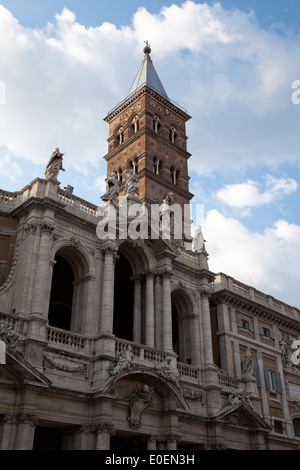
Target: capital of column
<point>137,278</point>
<point>23,418</point>
<point>111,251</point>
<point>205,293</point>
<point>31,228</point>
<point>47,227</point>
<point>150,273</point>
<point>106,428</point>
<point>166,273</point>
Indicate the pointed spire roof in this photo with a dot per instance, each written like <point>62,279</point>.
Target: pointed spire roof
<point>147,76</point>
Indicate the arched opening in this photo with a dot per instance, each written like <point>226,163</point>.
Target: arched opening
<point>183,330</point>
<point>296,425</point>
<point>175,330</point>
<point>123,300</point>
<point>61,297</point>
<point>70,289</point>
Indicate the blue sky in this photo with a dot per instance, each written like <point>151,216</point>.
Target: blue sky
<point>65,64</point>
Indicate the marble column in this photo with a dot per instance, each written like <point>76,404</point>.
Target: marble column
<point>104,432</point>
<point>167,311</point>
<point>158,311</point>
<point>43,276</point>
<point>107,313</point>
<point>152,443</point>
<point>149,309</point>
<point>137,309</point>
<point>206,328</point>
<point>8,427</point>
<point>25,432</point>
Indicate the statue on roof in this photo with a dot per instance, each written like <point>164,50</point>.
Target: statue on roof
<point>112,188</point>
<point>198,240</point>
<point>54,165</point>
<point>131,184</point>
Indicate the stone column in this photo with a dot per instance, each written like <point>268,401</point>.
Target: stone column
<point>206,327</point>
<point>107,313</point>
<point>43,275</point>
<point>171,443</point>
<point>137,309</point>
<point>25,432</point>
<point>83,438</point>
<point>167,311</point>
<point>152,443</point>
<point>149,309</point>
<point>8,427</point>
<point>25,270</point>
<point>104,432</point>
<point>158,311</point>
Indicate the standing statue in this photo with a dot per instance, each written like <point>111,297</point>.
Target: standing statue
<point>54,165</point>
<point>247,365</point>
<point>131,184</point>
<point>125,361</point>
<point>198,240</point>
<point>112,188</point>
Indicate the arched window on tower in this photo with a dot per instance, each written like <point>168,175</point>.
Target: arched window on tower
<point>173,134</point>
<point>156,165</point>
<point>174,174</point>
<point>135,124</point>
<point>156,123</point>
<point>121,135</point>
<point>133,165</point>
<point>120,174</point>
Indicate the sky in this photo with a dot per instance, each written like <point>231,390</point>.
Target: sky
<point>233,65</point>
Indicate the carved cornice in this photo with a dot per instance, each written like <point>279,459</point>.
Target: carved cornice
<point>252,308</point>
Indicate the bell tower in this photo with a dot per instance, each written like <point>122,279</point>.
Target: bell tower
<point>147,133</point>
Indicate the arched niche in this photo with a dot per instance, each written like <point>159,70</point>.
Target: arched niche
<point>69,287</point>
<point>183,328</point>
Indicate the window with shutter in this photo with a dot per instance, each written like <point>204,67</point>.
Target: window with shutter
<point>257,374</point>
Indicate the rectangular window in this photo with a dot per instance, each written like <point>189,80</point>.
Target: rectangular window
<point>244,324</point>
<point>266,332</point>
<point>272,380</point>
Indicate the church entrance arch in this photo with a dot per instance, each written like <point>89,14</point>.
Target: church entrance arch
<point>69,290</point>
<point>123,299</point>
<point>182,326</point>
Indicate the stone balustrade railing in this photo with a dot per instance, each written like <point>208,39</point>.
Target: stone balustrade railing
<point>229,383</point>
<point>65,339</point>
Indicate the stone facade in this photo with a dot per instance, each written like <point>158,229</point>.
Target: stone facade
<point>134,344</point>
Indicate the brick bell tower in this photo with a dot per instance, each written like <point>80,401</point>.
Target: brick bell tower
<point>147,133</point>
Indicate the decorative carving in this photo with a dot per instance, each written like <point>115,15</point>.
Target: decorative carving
<point>112,188</point>
<point>237,396</point>
<point>30,228</point>
<point>10,337</point>
<point>287,350</point>
<point>125,361</point>
<point>81,368</point>
<point>54,165</point>
<point>164,369</point>
<point>140,401</point>
<point>47,227</point>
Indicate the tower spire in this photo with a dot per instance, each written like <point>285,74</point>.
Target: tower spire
<point>147,76</point>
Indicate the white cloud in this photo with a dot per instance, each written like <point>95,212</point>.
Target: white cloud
<point>269,261</point>
<point>249,194</point>
<point>233,76</point>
